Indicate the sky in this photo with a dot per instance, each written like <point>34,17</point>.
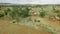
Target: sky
<point>31,1</point>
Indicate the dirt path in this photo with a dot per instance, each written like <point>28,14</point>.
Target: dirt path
<point>7,28</point>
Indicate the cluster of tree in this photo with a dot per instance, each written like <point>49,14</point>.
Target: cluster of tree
<point>17,12</point>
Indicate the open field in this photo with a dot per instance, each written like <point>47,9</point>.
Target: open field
<point>7,28</point>
<point>30,19</point>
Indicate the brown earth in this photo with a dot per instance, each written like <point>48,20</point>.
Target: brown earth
<point>8,28</point>
<point>55,24</point>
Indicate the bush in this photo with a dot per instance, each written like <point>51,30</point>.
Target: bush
<point>7,11</point>
<point>1,15</point>
<point>25,12</point>
<point>58,15</point>
<point>14,13</point>
<point>56,11</point>
<point>42,13</point>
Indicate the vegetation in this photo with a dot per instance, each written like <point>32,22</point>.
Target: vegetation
<point>25,12</point>
<point>1,15</point>
<point>58,15</point>
<point>19,14</point>
<point>42,13</point>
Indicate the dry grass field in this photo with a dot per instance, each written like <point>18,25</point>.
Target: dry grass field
<point>27,19</point>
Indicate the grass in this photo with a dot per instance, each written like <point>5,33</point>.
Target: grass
<point>43,25</point>
<point>20,18</point>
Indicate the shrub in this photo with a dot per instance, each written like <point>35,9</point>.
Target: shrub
<point>42,13</point>
<point>7,11</point>
<point>56,11</point>
<point>25,12</point>
<point>58,15</point>
<point>14,13</point>
<point>1,15</point>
